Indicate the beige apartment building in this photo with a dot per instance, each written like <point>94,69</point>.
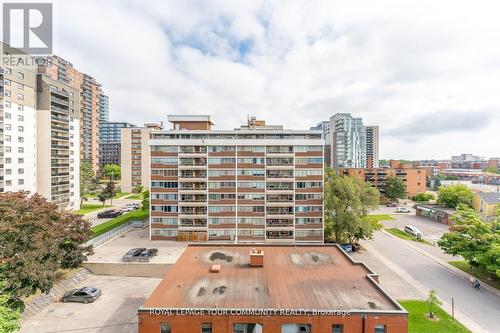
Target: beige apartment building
<point>135,156</point>
<point>39,134</point>
<point>254,184</point>
<point>90,95</point>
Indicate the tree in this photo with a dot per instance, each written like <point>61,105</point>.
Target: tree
<point>138,188</point>
<point>37,239</point>
<point>453,195</point>
<point>423,197</point>
<point>9,312</point>
<point>86,176</point>
<point>395,188</point>
<point>347,203</point>
<point>478,242</point>
<point>145,200</point>
<point>112,171</point>
<point>492,169</point>
<point>432,302</point>
<point>437,183</point>
<point>108,192</point>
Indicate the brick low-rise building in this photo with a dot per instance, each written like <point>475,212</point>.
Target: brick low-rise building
<point>258,183</point>
<point>271,289</point>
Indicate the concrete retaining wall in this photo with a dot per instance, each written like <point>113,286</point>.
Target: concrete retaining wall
<point>128,269</point>
<point>113,233</point>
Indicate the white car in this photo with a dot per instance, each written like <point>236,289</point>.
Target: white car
<point>403,210</point>
<point>413,231</point>
<point>128,208</point>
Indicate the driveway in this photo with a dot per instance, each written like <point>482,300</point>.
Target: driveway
<point>115,311</point>
<point>117,203</point>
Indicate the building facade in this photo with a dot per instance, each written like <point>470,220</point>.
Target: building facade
<point>414,178</point>
<point>39,134</point>
<point>486,204</point>
<point>110,141</point>
<point>135,156</point>
<point>270,289</point>
<point>258,184</point>
<point>103,108</point>
<point>348,141</point>
<point>324,127</point>
<point>372,146</point>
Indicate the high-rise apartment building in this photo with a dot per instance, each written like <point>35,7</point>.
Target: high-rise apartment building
<point>93,105</point>
<point>372,144</point>
<point>103,108</point>
<point>324,127</point>
<point>39,134</point>
<point>110,141</point>
<point>348,141</point>
<point>135,156</point>
<point>257,183</point>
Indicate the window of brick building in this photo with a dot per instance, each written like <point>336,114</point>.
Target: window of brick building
<point>165,328</point>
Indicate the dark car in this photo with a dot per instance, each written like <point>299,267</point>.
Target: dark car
<point>147,254</point>
<point>133,254</point>
<point>82,295</point>
<point>391,204</point>
<point>109,213</point>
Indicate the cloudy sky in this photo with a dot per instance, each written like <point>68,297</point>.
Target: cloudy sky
<point>426,72</point>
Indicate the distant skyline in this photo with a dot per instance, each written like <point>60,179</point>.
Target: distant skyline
<point>426,72</point>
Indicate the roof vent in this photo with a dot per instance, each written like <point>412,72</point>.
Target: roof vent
<point>256,258</point>
<point>215,269</point>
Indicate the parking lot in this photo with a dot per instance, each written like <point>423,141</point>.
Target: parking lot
<point>115,311</point>
<point>113,251</point>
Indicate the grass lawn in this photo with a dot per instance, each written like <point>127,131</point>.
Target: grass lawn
<point>118,195</point>
<point>403,235</point>
<point>135,196</point>
<point>419,323</point>
<point>381,217</point>
<point>138,214</point>
<point>478,272</point>
<point>89,208</point>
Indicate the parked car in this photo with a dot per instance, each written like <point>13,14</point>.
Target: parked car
<point>403,210</point>
<point>413,231</point>
<point>137,205</point>
<point>391,204</point>
<point>147,254</point>
<point>133,254</point>
<point>346,247</point>
<point>127,208</point>
<point>109,213</point>
<point>82,295</point>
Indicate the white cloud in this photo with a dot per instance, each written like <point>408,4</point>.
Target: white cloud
<point>394,63</point>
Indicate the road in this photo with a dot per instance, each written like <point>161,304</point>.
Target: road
<point>117,203</point>
<point>482,307</point>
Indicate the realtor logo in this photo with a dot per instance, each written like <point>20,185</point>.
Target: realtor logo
<point>28,27</point>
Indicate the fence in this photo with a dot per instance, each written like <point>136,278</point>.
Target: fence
<point>113,233</point>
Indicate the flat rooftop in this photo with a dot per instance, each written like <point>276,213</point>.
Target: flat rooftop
<point>293,277</point>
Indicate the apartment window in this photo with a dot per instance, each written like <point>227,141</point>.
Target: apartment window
<point>20,75</point>
<point>165,328</point>
<point>337,328</point>
<point>20,86</point>
<point>247,328</point>
<point>295,328</point>
<point>8,160</point>
<point>20,107</point>
<point>219,209</point>
<point>20,139</point>
<point>8,172</point>
<point>20,97</point>
<point>7,104</point>
<point>7,93</point>
<point>380,329</point>
<point>206,328</point>
<point>20,128</point>
<point>20,182</point>
<point>20,160</point>
<point>8,183</point>
<point>168,209</point>
<point>8,149</point>
<point>20,171</point>
<point>20,118</point>
<point>7,127</point>
<point>7,82</point>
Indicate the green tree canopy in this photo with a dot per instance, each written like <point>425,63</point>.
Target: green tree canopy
<point>347,203</point>
<point>138,188</point>
<point>395,188</point>
<point>86,176</point>
<point>112,171</point>
<point>453,195</point>
<point>423,197</point>
<point>9,312</point>
<point>492,169</point>
<point>107,193</point>
<point>145,200</point>
<point>37,239</point>
<point>476,241</point>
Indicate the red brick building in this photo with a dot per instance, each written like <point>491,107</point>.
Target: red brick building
<point>271,289</point>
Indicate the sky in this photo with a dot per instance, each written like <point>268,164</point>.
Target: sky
<point>426,72</point>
